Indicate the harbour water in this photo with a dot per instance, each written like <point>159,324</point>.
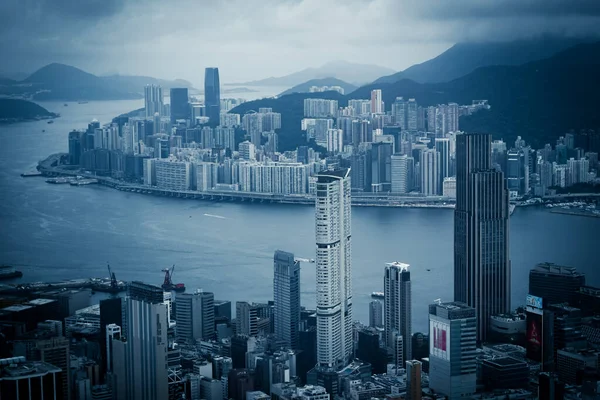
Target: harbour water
<point>55,232</point>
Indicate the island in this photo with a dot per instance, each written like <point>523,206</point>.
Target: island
<point>19,110</point>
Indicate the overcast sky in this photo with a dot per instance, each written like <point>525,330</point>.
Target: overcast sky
<point>254,39</point>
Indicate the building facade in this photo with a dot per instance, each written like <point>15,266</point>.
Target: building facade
<point>398,306</point>
<point>286,295</point>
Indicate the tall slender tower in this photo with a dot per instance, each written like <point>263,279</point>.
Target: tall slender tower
<point>286,294</point>
<point>334,268</point>
<point>212,94</point>
<point>398,304</point>
<point>481,261</point>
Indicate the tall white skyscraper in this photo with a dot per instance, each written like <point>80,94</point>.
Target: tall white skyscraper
<point>286,296</point>
<point>398,305</point>
<point>153,100</point>
<point>402,173</point>
<point>411,115</point>
<point>334,268</point>
<point>376,102</point>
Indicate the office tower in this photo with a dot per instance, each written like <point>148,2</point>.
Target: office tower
<point>517,171</point>
<point>421,119</point>
<point>111,312</point>
<point>286,294</point>
<point>368,349</point>
<point>153,100</point>
<point>442,146</point>
<point>452,350</point>
<point>431,184</point>
<point>481,261</point>
<point>398,305</point>
<point>240,381</point>
<point>413,380</point>
<point>195,316</point>
<point>420,346</point>
<point>411,115</point>
<point>246,319</point>
<point>399,112</point>
<point>180,106</point>
<point>334,268</point>
<point>140,364</point>
<point>402,173</point>
<point>112,332</point>
<point>555,283</point>
<point>376,102</point>
<point>375,314</point>
<point>23,379</point>
<point>212,94</point>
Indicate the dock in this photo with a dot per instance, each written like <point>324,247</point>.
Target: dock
<point>31,174</point>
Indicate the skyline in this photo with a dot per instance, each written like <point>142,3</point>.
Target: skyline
<point>222,34</point>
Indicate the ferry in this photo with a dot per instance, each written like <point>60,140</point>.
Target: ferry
<point>50,122</point>
<point>8,272</point>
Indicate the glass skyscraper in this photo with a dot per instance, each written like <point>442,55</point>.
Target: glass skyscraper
<point>180,107</point>
<point>286,295</point>
<point>212,94</point>
<point>481,259</point>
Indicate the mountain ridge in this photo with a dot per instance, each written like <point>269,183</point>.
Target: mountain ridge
<point>355,74</point>
<point>463,58</point>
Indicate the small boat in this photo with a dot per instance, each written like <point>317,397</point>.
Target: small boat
<point>50,122</point>
<point>66,105</point>
<point>8,272</point>
<point>43,130</point>
<point>83,102</point>
<point>428,270</point>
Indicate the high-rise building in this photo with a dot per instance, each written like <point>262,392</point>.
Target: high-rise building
<point>398,305</point>
<point>376,102</point>
<point>375,314</point>
<point>442,146</point>
<point>335,140</point>
<point>246,319</point>
<point>481,260</point>
<point>402,173</point>
<point>431,184</point>
<point>23,379</point>
<point>212,94</point>
<point>411,115</point>
<point>413,380</point>
<point>286,295</point>
<point>140,369</point>
<point>153,100</point>
<point>555,283</point>
<point>399,111</point>
<point>452,349</point>
<point>195,316</point>
<point>334,268</point>
<point>180,106</point>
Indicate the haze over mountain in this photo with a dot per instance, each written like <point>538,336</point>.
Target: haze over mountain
<point>64,82</point>
<point>356,74</point>
<point>305,87</point>
<point>463,58</point>
<point>539,100</point>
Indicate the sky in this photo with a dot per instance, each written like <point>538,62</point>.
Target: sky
<point>255,39</point>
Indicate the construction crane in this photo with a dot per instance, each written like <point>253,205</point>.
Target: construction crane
<point>307,260</point>
<point>113,279</point>
<point>168,281</point>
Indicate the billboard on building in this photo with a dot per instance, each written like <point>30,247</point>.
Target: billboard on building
<point>439,339</point>
<point>534,336</point>
<point>534,301</point>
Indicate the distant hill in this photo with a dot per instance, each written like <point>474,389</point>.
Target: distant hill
<point>291,108</point>
<point>16,110</point>
<point>135,84</point>
<point>357,74</point>
<point>305,87</point>
<point>6,81</point>
<point>539,100</point>
<point>463,58</point>
<point>66,83</point>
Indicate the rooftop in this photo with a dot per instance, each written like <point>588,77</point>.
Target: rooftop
<point>17,308</point>
<point>555,269</point>
<point>397,264</point>
<point>19,367</point>
<point>505,362</point>
<point>39,302</point>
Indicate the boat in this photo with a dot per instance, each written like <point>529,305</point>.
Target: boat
<point>50,122</point>
<point>43,130</point>
<point>83,102</point>
<point>8,272</point>
<point>428,270</point>
<point>65,104</point>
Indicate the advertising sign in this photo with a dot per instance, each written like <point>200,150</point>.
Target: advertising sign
<point>534,301</point>
<point>534,336</point>
<point>439,339</point>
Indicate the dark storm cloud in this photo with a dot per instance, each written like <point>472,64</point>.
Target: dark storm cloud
<point>257,38</point>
